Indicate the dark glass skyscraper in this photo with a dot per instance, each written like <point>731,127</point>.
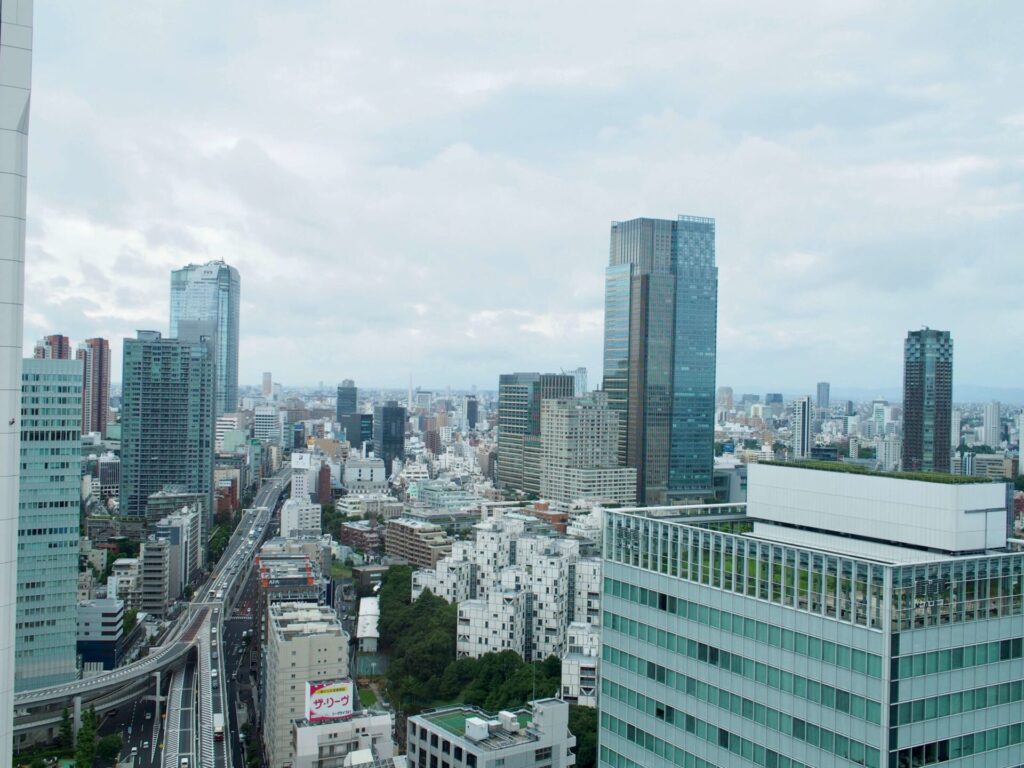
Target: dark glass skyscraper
<point>389,433</point>
<point>208,294</point>
<point>927,400</point>
<point>348,399</point>
<point>167,420</point>
<point>661,319</point>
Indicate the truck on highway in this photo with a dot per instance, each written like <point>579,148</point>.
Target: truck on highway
<point>218,726</point>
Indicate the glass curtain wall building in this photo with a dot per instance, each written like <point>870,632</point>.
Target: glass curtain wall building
<point>209,294</point>
<point>519,442</point>
<point>48,508</point>
<point>15,100</point>
<point>661,298</point>
<point>794,635</point>
<point>927,400</point>
<point>167,421</point>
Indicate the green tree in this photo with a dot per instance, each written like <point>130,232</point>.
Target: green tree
<point>131,618</point>
<point>66,736</point>
<point>109,747</point>
<point>1018,483</point>
<point>85,740</point>
<point>583,725</point>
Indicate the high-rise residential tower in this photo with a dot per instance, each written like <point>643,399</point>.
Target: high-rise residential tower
<point>53,347</point>
<point>95,356</point>
<point>823,398</point>
<point>348,399</point>
<point>389,433</point>
<point>927,400</point>
<point>48,508</point>
<point>15,92</point>
<point>661,302</point>
<point>209,294</point>
<point>800,423</point>
<point>993,425</point>
<point>268,384</point>
<point>167,420</point>
<point>518,442</point>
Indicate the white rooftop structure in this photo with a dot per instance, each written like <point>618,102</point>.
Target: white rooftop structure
<point>925,514</point>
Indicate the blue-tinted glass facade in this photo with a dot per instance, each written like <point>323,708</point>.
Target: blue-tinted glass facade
<point>48,513</point>
<point>927,400</point>
<point>661,296</point>
<point>210,293</point>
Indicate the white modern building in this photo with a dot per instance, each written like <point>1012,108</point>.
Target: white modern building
<point>334,743</point>
<point>15,93</point>
<point>535,736</point>
<point>801,418</point>
<point>365,475</point>
<point>181,530</point>
<point>579,452</point>
<point>992,425</point>
<point>305,644</point>
<point>516,590</point>
<point>300,518</point>
<point>267,424</point>
<point>581,664</point>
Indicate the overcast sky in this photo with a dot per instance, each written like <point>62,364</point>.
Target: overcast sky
<point>426,188</point>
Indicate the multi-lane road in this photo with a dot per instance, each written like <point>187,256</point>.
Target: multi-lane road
<point>186,728</point>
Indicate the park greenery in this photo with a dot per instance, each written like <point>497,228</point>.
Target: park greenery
<point>419,637</point>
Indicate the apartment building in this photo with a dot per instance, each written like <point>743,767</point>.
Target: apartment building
<point>581,664</point>
<point>305,645</point>
<point>420,544</point>
<point>466,737</point>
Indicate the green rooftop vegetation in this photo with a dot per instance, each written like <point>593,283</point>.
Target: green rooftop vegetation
<point>856,469</point>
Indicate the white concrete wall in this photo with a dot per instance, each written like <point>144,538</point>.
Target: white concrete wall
<point>938,516</point>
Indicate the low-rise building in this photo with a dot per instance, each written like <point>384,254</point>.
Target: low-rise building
<point>361,535</point>
<point>336,742</point>
<point>100,635</point>
<point>467,737</point>
<point>368,625</point>
<point>421,544</point>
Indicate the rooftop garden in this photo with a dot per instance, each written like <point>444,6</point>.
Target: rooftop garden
<point>856,469</point>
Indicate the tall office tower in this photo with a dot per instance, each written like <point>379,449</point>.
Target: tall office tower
<point>843,620</point>
<point>580,379</point>
<point>15,90</point>
<point>209,294</point>
<point>348,399</point>
<point>48,507</point>
<point>659,352</point>
<point>927,401</point>
<point>724,399</point>
<point>993,425</point>
<point>955,425</point>
<point>800,424</point>
<point>268,385</point>
<point>823,400</point>
<point>389,433</point>
<point>472,411</point>
<point>518,442</point>
<point>167,420</point>
<point>95,356</point>
<point>358,430</point>
<point>55,347</point>
<point>579,439</point>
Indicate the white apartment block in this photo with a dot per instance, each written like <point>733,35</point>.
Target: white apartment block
<point>305,644</point>
<point>515,591</point>
<point>581,664</point>
<point>299,518</point>
<point>495,623</point>
<point>303,475</point>
<point>266,425</point>
<point>466,737</point>
<point>332,744</point>
<point>579,447</point>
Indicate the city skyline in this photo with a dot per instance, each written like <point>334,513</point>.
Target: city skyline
<point>889,162</point>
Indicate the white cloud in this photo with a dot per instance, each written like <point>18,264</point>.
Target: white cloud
<point>433,193</point>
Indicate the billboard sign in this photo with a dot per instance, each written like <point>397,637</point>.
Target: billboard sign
<point>325,701</point>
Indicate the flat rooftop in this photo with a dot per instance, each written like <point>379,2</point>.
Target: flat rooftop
<point>855,469</point>
<point>454,720</point>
